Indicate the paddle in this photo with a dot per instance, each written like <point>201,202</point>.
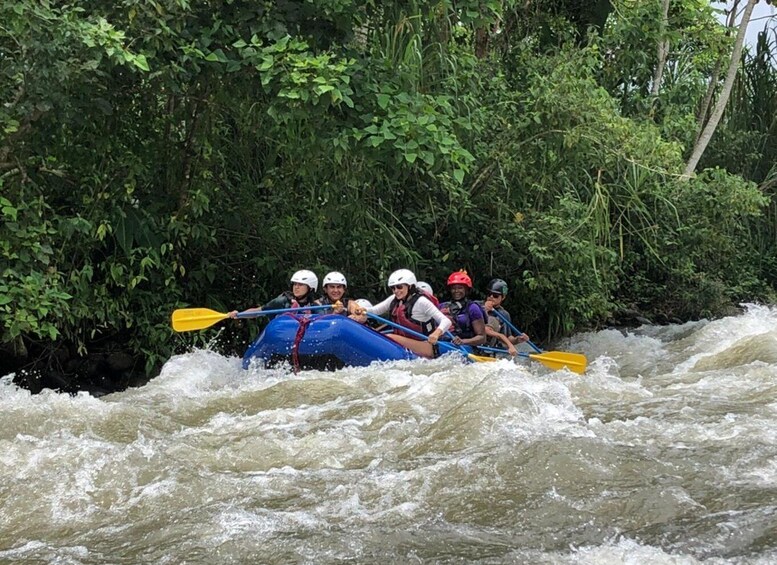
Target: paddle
<point>555,360</point>
<point>443,345</point>
<point>473,357</point>
<point>516,330</point>
<point>572,359</point>
<point>188,319</point>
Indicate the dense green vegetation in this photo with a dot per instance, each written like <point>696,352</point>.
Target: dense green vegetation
<point>160,154</point>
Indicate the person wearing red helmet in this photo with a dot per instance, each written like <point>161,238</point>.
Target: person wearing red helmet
<point>468,317</point>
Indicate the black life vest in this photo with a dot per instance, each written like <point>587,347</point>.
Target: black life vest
<point>453,309</point>
<point>496,324</point>
<point>503,327</point>
<point>299,303</point>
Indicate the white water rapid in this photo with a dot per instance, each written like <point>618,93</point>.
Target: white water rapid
<point>664,452</point>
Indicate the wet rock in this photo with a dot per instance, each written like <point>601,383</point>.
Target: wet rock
<point>629,317</point>
<point>731,310</point>
<point>31,380</point>
<point>661,319</point>
<point>73,365</point>
<point>119,361</point>
<point>58,366</point>
<point>56,380</point>
<point>61,355</point>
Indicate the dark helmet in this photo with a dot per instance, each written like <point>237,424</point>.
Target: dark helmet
<point>497,286</point>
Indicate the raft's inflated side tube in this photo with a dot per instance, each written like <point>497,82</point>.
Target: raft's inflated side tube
<point>329,342</point>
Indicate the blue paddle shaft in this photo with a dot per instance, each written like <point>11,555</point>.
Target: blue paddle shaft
<point>442,344</point>
<point>516,330</point>
<point>279,311</point>
<point>503,351</point>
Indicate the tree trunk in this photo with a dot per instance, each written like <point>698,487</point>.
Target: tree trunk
<point>663,51</point>
<point>704,110</point>
<point>481,42</point>
<point>720,105</point>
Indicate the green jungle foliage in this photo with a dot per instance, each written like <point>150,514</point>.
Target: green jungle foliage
<point>165,154</point>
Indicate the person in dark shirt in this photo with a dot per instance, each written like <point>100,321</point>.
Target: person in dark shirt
<point>304,284</point>
<point>335,287</point>
<point>498,331</point>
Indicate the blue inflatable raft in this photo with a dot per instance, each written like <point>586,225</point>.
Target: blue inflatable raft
<point>324,342</point>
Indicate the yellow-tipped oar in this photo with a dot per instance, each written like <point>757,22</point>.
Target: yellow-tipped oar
<point>555,360</point>
<point>480,358</point>
<point>575,362</point>
<point>188,319</point>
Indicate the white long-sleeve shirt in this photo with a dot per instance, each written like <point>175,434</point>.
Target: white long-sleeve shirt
<point>423,311</point>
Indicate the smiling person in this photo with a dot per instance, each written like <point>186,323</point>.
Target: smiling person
<point>335,287</point>
<point>468,317</point>
<point>497,330</point>
<point>409,308</point>
<point>304,284</point>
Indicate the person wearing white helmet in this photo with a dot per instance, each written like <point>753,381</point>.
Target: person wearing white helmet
<point>304,284</point>
<point>425,286</point>
<point>335,287</point>
<point>410,308</point>
<point>360,306</point>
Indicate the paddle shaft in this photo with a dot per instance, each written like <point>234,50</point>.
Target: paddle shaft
<point>553,359</point>
<point>503,351</point>
<point>516,330</point>
<point>408,331</point>
<point>190,319</point>
<point>256,314</point>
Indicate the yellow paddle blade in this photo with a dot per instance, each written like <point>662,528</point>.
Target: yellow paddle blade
<point>188,319</point>
<point>480,358</point>
<point>556,360</point>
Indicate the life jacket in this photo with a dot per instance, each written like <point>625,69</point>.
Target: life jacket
<point>503,327</point>
<point>402,314</point>
<point>497,324</point>
<point>462,328</point>
<point>295,303</point>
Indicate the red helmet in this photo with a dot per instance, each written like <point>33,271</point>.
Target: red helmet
<point>460,277</point>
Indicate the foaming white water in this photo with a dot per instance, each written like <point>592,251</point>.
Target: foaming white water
<point>629,552</point>
<point>663,452</point>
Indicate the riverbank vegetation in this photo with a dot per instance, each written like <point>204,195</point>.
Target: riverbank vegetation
<point>162,154</point>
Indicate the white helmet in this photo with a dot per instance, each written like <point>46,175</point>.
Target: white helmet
<point>402,276</point>
<point>335,278</point>
<point>306,277</point>
<point>364,303</point>
<point>421,285</point>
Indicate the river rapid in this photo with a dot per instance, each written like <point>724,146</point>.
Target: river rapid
<point>665,451</point>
